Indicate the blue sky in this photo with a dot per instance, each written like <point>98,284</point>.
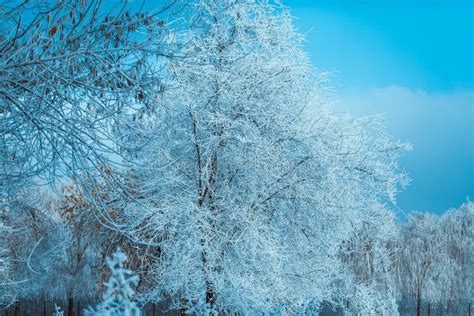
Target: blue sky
<point>411,61</point>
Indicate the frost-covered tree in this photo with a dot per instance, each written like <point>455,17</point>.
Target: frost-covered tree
<point>77,268</point>
<point>58,311</point>
<point>456,282</point>
<point>68,69</point>
<point>434,259</point>
<point>32,247</point>
<point>248,184</point>
<point>369,256</point>
<point>420,256</point>
<point>119,293</point>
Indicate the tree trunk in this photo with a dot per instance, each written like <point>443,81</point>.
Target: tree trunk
<point>469,309</point>
<point>70,305</point>
<point>17,308</point>
<point>210,296</point>
<point>429,309</point>
<point>418,304</point>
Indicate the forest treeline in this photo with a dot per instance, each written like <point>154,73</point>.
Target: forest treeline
<point>197,137</point>
<point>423,262</point>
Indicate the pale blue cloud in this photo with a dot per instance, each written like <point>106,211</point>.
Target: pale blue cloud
<point>440,128</point>
<point>412,61</point>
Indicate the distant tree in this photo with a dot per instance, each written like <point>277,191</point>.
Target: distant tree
<point>457,274</point>
<point>369,257</point>
<point>80,261</point>
<point>248,185</point>
<point>420,255</point>
<point>434,259</point>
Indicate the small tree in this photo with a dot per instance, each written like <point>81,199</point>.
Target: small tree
<point>58,311</point>
<point>119,292</point>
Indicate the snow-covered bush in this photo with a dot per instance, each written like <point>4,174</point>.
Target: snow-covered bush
<point>118,297</point>
<point>58,311</point>
<point>202,308</point>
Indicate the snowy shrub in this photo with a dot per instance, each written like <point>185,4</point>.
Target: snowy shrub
<point>58,311</point>
<point>201,308</point>
<point>119,290</point>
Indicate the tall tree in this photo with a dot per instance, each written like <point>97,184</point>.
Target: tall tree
<point>69,70</point>
<point>248,184</point>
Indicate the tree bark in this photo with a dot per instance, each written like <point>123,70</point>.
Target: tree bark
<point>429,309</point>
<point>418,303</point>
<point>70,306</point>
<point>210,295</point>
<point>17,308</point>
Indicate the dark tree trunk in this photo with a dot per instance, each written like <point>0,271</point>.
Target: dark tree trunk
<point>418,303</point>
<point>469,309</point>
<point>429,309</point>
<point>17,308</point>
<point>210,296</point>
<point>70,306</point>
